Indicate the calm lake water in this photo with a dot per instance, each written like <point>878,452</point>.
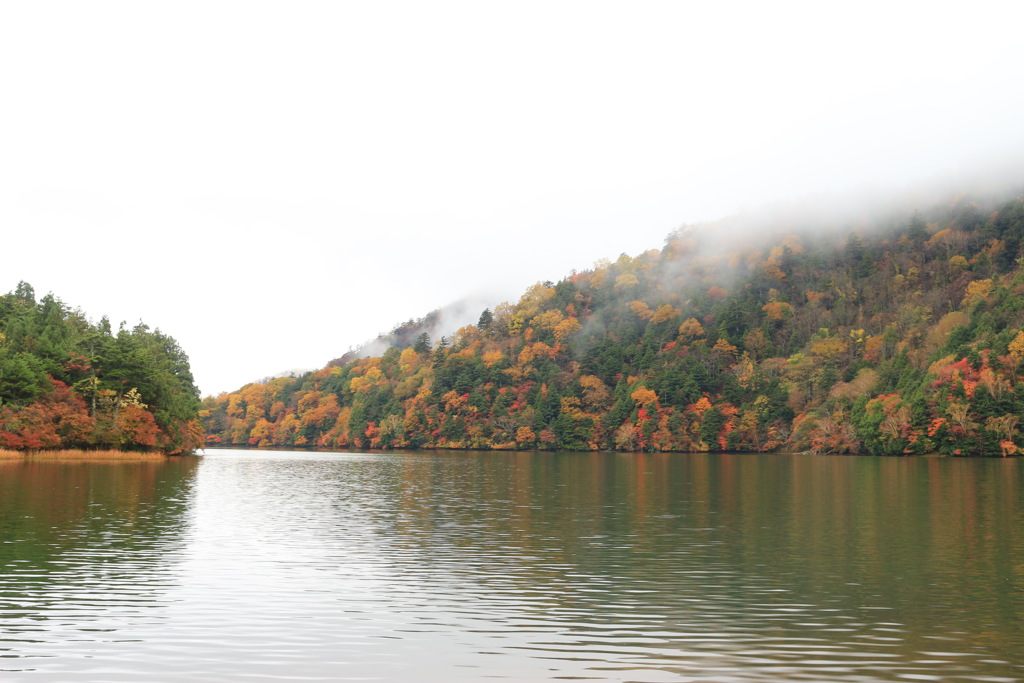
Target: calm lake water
<point>262,566</point>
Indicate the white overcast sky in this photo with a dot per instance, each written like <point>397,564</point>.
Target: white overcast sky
<point>272,183</point>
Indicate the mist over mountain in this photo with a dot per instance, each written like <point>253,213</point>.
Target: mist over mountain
<point>880,324</point>
<point>440,324</point>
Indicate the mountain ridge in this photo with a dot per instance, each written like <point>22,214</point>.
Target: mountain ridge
<point>872,329</point>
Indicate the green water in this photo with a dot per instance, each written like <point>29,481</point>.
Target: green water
<point>259,566</point>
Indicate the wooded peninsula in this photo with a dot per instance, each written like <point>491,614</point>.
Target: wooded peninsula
<point>66,383</point>
<point>888,333</point>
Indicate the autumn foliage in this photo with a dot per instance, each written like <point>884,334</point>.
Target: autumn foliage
<point>892,339</point>
<point>67,383</point>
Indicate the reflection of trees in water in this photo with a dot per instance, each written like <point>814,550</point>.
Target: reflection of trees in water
<point>79,539</point>
<point>660,561</point>
<point>742,544</point>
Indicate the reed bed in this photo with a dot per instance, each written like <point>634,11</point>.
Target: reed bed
<point>73,454</point>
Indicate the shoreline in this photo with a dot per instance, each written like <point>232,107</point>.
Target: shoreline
<point>78,454</point>
<point>327,449</point>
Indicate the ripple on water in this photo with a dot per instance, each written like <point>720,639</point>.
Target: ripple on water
<point>465,567</point>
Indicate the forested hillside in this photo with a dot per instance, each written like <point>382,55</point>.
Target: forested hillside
<point>68,383</point>
<point>891,335</point>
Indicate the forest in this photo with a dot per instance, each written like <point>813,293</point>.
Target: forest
<point>67,383</point>
<point>887,333</point>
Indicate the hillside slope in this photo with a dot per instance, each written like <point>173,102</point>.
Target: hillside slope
<point>887,335</point>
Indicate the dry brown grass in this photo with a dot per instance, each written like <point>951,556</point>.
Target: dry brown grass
<point>68,454</point>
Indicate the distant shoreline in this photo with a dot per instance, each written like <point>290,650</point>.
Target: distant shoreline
<point>327,449</point>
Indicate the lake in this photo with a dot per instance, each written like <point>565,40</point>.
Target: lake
<point>263,566</point>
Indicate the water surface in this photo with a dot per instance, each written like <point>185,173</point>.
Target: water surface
<point>257,566</point>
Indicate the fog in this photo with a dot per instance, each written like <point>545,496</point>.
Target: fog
<point>274,184</point>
